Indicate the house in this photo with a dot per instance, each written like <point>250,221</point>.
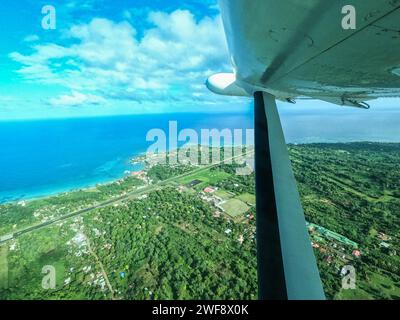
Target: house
<point>356,253</point>
<point>208,190</point>
<point>22,203</point>
<point>384,245</point>
<point>315,245</point>
<point>137,173</point>
<point>217,214</point>
<point>383,236</point>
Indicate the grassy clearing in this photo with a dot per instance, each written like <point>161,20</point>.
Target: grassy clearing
<point>384,285</point>
<point>247,198</point>
<point>207,177</point>
<point>225,195</point>
<point>357,294</point>
<point>235,207</point>
<point>377,283</point>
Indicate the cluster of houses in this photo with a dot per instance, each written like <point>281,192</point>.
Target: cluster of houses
<point>332,244</point>
<point>385,243</point>
<point>141,175</point>
<point>209,196</point>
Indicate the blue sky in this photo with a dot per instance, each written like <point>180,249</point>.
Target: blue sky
<point>119,57</point>
<point>110,57</point>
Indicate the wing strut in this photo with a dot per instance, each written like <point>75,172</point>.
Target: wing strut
<point>287,267</point>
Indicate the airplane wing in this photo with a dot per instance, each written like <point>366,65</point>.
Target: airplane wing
<point>323,49</point>
<point>297,48</point>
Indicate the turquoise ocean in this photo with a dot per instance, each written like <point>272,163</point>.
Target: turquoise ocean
<point>45,157</point>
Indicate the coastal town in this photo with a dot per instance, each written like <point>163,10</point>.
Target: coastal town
<point>158,230</point>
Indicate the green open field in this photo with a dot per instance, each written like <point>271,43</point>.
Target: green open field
<point>247,198</point>
<point>235,207</point>
<point>356,294</point>
<point>225,195</point>
<point>379,283</point>
<point>207,177</point>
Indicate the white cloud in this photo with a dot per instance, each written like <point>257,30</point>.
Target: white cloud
<point>76,99</point>
<point>31,38</point>
<point>107,59</point>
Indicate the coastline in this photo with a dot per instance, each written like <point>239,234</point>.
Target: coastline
<point>135,163</point>
<point>87,186</point>
<point>138,160</point>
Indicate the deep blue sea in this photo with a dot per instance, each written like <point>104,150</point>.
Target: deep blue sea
<point>44,157</point>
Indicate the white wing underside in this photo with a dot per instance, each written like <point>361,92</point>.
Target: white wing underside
<point>294,49</point>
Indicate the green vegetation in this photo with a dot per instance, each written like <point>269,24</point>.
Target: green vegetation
<point>177,250</point>
<point>236,184</point>
<point>164,172</point>
<point>353,190</point>
<point>3,267</point>
<point>376,283</point>
<point>16,216</point>
<point>157,236</point>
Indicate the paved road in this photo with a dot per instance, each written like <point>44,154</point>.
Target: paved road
<point>131,195</point>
